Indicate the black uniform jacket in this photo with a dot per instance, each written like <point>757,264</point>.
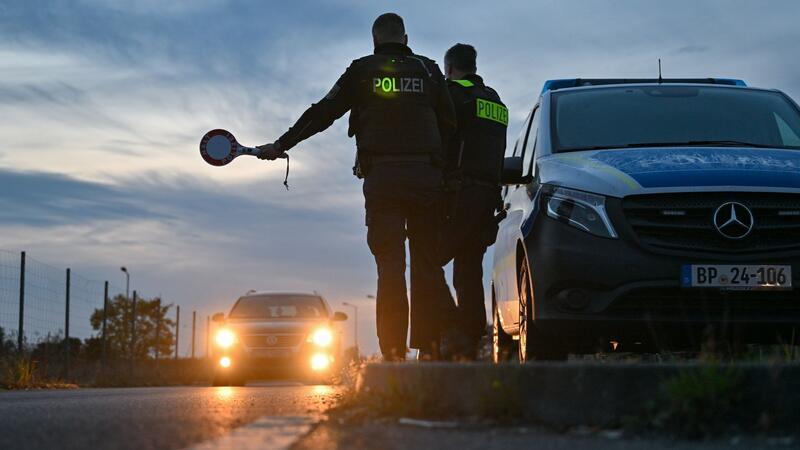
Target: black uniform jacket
<point>476,150</point>
<point>398,102</point>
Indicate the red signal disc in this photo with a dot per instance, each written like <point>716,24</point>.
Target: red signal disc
<point>218,147</point>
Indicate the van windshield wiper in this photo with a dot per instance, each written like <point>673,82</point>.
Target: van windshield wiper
<point>721,143</point>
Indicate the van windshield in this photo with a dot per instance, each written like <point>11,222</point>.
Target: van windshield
<point>672,115</point>
<point>279,306</point>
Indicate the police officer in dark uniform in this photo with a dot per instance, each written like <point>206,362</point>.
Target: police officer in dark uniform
<point>474,161</point>
<point>400,110</point>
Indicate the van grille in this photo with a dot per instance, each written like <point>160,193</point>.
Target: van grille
<point>686,221</point>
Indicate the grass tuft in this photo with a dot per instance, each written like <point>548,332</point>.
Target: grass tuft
<point>699,402</point>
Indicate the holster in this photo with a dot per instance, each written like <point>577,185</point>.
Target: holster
<point>358,169</point>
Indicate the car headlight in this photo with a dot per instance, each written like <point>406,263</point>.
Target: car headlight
<point>320,361</point>
<point>225,338</point>
<point>579,209</point>
<point>321,337</point>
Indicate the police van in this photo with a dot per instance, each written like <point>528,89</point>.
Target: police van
<point>649,215</point>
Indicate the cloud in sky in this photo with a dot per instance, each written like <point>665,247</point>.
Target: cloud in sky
<point>103,104</point>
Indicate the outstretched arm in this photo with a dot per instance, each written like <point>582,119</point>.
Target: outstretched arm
<point>318,117</point>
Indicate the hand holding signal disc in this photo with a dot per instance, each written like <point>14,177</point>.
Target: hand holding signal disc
<point>219,147</point>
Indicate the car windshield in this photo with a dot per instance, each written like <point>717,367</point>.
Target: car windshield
<point>672,115</point>
<point>279,306</point>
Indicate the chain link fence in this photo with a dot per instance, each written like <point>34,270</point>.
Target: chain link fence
<point>61,318</point>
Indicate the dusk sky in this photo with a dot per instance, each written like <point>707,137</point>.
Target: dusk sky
<point>103,103</point>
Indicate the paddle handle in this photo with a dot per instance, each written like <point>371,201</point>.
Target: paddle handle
<point>254,151</point>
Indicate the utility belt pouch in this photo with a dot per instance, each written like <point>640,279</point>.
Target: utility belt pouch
<point>362,165</point>
<point>357,168</point>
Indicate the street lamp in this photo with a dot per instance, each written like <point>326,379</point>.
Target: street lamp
<point>127,281</point>
<point>355,324</point>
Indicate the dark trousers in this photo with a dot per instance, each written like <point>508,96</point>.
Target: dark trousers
<point>402,202</point>
<point>470,229</point>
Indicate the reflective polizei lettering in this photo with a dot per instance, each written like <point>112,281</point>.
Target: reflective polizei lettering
<point>492,111</point>
<point>404,84</point>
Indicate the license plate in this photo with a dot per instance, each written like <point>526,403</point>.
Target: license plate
<point>737,276</point>
<point>272,353</point>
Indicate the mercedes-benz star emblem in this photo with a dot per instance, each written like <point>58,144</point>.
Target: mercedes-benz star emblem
<point>734,220</point>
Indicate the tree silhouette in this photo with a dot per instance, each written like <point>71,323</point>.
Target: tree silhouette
<point>150,315</point>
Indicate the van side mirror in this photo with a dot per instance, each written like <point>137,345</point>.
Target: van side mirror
<point>512,172</point>
<point>218,318</point>
<point>339,316</point>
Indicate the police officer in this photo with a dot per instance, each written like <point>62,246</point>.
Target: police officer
<point>474,160</point>
<point>400,110</point>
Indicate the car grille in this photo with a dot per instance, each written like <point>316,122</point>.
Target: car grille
<point>686,221</point>
<point>272,340</point>
<point>677,301</point>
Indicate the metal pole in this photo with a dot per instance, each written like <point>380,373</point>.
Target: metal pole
<point>20,329</point>
<point>194,323</point>
<point>133,328</point>
<point>355,324</point>
<point>66,328</point>
<point>177,329</point>
<point>105,315</point>
<point>127,282</point>
<point>208,337</point>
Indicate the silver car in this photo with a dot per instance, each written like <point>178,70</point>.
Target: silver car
<point>269,332</point>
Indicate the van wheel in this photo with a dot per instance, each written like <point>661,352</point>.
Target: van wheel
<point>533,344</point>
<point>502,344</point>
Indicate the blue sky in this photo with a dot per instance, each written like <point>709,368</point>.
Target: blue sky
<point>103,104</point>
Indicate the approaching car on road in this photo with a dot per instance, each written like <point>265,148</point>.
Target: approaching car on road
<point>265,332</point>
<point>647,213</point>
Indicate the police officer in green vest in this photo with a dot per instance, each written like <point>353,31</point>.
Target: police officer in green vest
<point>400,111</point>
<point>474,160</point>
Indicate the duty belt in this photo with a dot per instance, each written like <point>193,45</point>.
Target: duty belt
<point>383,159</point>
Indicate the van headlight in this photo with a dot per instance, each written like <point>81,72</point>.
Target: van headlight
<point>225,338</point>
<point>582,210</point>
<point>322,337</point>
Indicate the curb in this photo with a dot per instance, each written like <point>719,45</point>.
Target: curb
<point>568,394</point>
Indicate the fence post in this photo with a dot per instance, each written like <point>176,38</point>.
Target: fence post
<point>66,327</point>
<point>105,314</point>
<point>20,329</point>
<point>133,329</point>
<point>158,327</point>
<point>177,329</point>
<point>208,337</point>
<point>194,323</point>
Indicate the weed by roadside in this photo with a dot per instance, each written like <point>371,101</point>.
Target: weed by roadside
<point>497,396</point>
<point>20,372</point>
<point>24,372</point>
<point>698,402</point>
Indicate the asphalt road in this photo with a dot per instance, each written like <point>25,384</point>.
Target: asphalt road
<point>146,418</point>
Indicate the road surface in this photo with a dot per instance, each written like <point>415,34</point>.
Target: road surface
<point>146,418</point>
<point>276,416</point>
